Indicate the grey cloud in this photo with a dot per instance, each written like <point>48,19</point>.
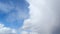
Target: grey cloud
<point>44,16</point>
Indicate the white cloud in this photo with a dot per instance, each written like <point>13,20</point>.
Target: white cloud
<point>6,30</point>
<point>43,16</point>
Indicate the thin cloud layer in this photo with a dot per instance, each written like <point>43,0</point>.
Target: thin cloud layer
<point>44,16</point>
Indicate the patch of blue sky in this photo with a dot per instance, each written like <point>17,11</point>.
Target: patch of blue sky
<point>13,12</point>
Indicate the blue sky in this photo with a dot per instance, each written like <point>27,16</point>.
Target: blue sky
<point>13,12</point>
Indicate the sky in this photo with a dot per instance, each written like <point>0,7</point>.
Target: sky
<point>13,12</point>
<point>29,17</point>
<point>12,15</point>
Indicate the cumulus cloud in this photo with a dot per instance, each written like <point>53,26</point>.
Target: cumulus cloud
<point>44,16</point>
<point>6,30</point>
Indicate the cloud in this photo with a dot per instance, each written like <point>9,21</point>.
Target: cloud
<point>44,16</point>
<point>24,32</point>
<point>6,30</point>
